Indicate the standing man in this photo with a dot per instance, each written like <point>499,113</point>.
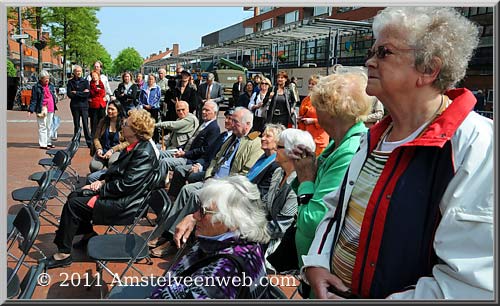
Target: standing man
<point>238,89</point>
<point>163,84</point>
<point>209,91</point>
<point>78,90</point>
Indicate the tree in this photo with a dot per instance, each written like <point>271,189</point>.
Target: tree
<point>74,29</point>
<point>127,60</point>
<point>100,53</point>
<point>11,69</point>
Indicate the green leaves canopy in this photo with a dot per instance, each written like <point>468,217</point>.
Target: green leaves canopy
<point>127,60</point>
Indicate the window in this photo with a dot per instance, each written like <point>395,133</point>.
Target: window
<point>321,10</point>
<point>267,24</point>
<point>490,96</point>
<point>291,17</point>
<point>265,9</point>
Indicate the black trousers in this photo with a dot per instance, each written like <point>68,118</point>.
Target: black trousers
<point>95,114</point>
<point>76,219</point>
<point>82,112</point>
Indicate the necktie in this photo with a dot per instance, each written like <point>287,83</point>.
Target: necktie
<point>208,92</point>
<point>227,154</point>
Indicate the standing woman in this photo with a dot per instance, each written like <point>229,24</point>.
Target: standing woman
<point>108,139</point>
<point>149,99</point>
<point>43,103</point>
<point>184,91</point>
<point>78,92</point>
<point>244,98</point>
<point>104,79</point>
<point>282,106</point>
<point>126,93</point>
<point>97,101</point>
<point>259,102</point>
<point>308,119</point>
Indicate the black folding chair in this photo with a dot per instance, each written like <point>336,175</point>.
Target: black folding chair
<point>70,151</point>
<point>127,248</point>
<point>75,138</point>
<point>40,196</point>
<point>60,162</point>
<point>26,227</point>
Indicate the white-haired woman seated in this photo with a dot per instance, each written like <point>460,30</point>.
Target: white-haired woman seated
<point>281,200</point>
<point>231,219</point>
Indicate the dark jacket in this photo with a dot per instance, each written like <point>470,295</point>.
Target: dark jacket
<point>243,100</point>
<point>212,150</point>
<point>263,179</point>
<point>80,98</point>
<point>128,99</point>
<point>128,181</point>
<point>237,93</point>
<point>290,104</point>
<point>37,98</point>
<point>189,95</point>
<point>202,141</point>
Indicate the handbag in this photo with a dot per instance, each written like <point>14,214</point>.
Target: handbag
<point>44,112</point>
<point>285,257</point>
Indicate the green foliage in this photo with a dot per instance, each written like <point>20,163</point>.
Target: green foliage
<point>100,53</point>
<point>11,69</point>
<point>127,60</point>
<point>76,29</point>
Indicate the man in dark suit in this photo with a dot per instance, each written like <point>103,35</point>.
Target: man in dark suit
<point>197,146</point>
<point>209,91</point>
<point>238,89</point>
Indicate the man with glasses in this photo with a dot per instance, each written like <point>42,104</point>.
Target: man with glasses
<point>182,129</point>
<point>236,156</point>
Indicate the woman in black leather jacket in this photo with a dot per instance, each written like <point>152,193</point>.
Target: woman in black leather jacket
<point>117,196</point>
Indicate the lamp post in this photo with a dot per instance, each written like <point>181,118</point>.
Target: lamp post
<point>21,60</point>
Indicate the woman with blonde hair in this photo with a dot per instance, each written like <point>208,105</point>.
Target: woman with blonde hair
<point>116,196</point>
<point>341,105</point>
<point>308,120</point>
<point>259,103</point>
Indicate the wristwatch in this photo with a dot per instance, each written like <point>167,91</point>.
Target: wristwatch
<point>304,198</point>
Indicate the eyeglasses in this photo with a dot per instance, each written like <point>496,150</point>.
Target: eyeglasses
<point>381,52</point>
<point>280,146</point>
<point>204,211</point>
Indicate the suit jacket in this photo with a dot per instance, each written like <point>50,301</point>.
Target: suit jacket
<point>247,154</point>
<point>202,141</point>
<point>212,150</point>
<point>216,94</point>
<point>128,182</point>
<point>237,92</point>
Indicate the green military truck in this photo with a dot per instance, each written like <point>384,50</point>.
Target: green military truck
<point>227,74</point>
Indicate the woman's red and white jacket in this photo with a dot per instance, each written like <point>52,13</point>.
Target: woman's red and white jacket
<point>97,95</point>
<point>427,232</point>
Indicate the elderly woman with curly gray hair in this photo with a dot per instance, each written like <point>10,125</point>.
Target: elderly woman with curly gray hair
<point>230,228</point>
<point>413,218</point>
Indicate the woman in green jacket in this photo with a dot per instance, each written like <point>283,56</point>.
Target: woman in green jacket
<point>342,105</point>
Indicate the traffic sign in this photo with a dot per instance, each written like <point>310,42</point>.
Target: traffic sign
<point>20,36</point>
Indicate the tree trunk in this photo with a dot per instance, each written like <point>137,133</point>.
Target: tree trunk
<point>39,37</point>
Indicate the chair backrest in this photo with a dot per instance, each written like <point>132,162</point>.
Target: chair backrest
<point>73,147</point>
<point>76,136</point>
<point>60,159</point>
<point>162,213</point>
<point>30,280</point>
<point>40,196</point>
<point>27,226</point>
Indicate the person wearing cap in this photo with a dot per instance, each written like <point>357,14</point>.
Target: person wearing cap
<point>183,91</point>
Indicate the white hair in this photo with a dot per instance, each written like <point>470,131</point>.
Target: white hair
<point>275,129</point>
<point>246,117</point>
<point>210,76</point>
<point>44,74</point>
<point>215,106</point>
<point>440,32</point>
<point>238,206</point>
<point>293,137</point>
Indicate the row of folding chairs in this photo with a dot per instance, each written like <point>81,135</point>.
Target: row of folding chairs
<point>50,181</point>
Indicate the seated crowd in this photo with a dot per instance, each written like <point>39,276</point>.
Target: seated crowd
<point>371,213</point>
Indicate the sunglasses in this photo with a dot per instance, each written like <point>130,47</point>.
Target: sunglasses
<point>280,147</point>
